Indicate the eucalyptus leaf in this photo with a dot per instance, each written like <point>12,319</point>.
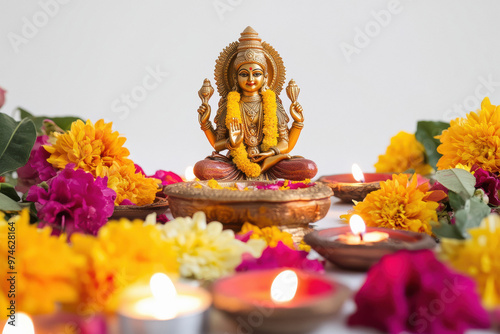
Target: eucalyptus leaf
<point>456,201</point>
<point>62,122</point>
<point>457,180</point>
<point>8,204</point>
<point>9,191</point>
<point>471,216</point>
<point>16,141</point>
<point>426,131</point>
<point>447,231</point>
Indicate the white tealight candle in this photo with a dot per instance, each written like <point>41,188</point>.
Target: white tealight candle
<point>167,308</point>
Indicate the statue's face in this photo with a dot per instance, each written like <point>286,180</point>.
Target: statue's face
<point>250,77</point>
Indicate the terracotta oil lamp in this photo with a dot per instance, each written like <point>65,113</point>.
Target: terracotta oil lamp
<point>357,247</point>
<point>285,300</point>
<point>354,186</point>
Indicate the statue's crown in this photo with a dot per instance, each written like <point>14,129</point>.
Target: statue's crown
<point>250,49</point>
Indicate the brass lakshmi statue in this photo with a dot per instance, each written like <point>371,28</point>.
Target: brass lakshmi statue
<point>251,122</point>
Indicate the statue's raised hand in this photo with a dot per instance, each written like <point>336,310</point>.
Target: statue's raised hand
<point>296,112</point>
<point>204,113</point>
<point>235,133</point>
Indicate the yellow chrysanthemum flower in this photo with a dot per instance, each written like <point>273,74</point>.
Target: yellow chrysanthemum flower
<point>122,254</point>
<point>45,266</point>
<point>474,140</point>
<point>398,204</point>
<point>206,251</point>
<point>93,148</point>
<point>479,258</point>
<point>271,235</point>
<point>405,152</point>
<point>128,184</point>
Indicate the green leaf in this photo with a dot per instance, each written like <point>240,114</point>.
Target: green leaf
<point>9,191</point>
<point>457,180</point>
<point>447,231</point>
<point>426,131</point>
<point>8,204</point>
<point>16,141</point>
<point>471,215</point>
<point>62,122</point>
<point>456,201</point>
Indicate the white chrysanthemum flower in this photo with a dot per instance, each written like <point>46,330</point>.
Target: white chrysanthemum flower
<point>206,251</point>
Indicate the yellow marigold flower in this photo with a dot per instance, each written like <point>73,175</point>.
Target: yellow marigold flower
<point>90,147</point>
<point>398,204</point>
<point>206,251</point>
<point>474,140</point>
<point>46,267</point>
<point>405,152</point>
<point>128,184</point>
<point>270,129</point>
<point>271,235</point>
<point>214,184</point>
<point>122,254</point>
<point>479,258</point>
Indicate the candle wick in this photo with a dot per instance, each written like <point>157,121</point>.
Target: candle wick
<point>361,236</point>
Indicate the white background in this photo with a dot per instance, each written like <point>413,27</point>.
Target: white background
<point>426,58</point>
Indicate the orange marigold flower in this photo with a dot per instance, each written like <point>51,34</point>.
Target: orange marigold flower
<point>46,267</point>
<point>405,152</point>
<point>128,184</point>
<point>400,203</point>
<point>474,140</point>
<point>90,147</point>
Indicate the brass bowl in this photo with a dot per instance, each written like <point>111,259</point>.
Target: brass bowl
<point>290,209</point>
<point>160,206</point>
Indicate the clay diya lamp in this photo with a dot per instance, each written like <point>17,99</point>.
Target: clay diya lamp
<point>279,300</point>
<point>355,186</point>
<point>357,247</point>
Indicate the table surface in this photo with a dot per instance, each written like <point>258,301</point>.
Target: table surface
<point>220,324</point>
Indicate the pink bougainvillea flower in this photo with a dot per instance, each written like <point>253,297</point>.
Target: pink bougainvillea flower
<point>73,202</point>
<point>37,169</point>
<point>165,177</point>
<point>2,96</point>
<point>280,256</point>
<point>413,292</point>
<point>162,219</point>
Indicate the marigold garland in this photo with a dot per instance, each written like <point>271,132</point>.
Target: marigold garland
<point>239,154</point>
<point>270,120</point>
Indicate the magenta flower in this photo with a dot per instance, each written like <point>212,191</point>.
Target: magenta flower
<point>2,96</point>
<point>280,256</point>
<point>37,169</point>
<point>489,183</point>
<point>413,292</point>
<point>73,202</point>
<point>165,177</point>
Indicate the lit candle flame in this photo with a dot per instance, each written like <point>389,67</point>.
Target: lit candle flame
<point>189,174</point>
<point>165,295</point>
<point>357,173</point>
<point>357,225</point>
<point>24,325</point>
<point>284,286</point>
